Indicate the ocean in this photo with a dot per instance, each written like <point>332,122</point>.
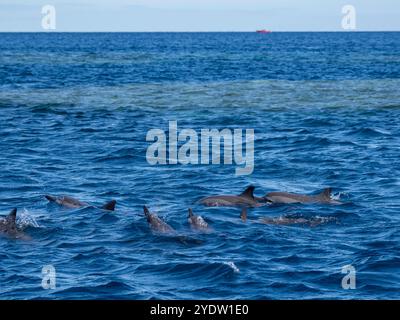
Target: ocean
<point>75,109</point>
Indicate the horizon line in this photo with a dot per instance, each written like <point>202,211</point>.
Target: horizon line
<point>198,31</point>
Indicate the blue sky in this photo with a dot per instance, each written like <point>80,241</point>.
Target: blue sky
<point>199,15</point>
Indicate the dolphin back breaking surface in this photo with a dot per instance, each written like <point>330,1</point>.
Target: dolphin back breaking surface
<point>245,199</point>
<point>156,224</point>
<point>197,222</point>
<point>72,203</point>
<point>287,198</point>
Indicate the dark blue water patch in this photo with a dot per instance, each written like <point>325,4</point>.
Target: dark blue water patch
<point>108,218</point>
<point>67,59</point>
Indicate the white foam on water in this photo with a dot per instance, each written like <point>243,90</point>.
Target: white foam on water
<point>25,219</point>
<point>232,265</point>
<point>337,196</point>
<point>322,219</point>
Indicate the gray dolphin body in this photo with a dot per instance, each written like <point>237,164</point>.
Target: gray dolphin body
<point>285,197</point>
<point>73,203</point>
<point>245,199</point>
<point>156,223</point>
<point>8,227</point>
<point>197,222</point>
<point>286,220</point>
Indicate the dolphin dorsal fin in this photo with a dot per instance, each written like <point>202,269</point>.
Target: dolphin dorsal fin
<point>248,192</point>
<point>190,212</point>
<point>110,205</point>
<point>146,211</point>
<point>12,216</point>
<point>50,198</point>
<point>326,193</point>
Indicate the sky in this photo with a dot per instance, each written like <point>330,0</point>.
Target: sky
<point>198,15</point>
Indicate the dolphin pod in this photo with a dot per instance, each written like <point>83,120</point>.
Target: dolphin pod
<point>73,203</point>
<point>247,199</point>
<point>244,200</point>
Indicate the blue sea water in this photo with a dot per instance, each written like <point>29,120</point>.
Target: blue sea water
<point>74,113</point>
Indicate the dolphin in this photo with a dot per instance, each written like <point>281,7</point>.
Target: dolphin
<point>283,221</point>
<point>245,199</point>
<point>197,222</point>
<point>73,203</point>
<point>285,197</point>
<point>8,227</point>
<point>156,223</point>
<point>286,220</point>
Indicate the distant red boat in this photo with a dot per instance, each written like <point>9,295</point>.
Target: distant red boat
<point>263,31</point>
